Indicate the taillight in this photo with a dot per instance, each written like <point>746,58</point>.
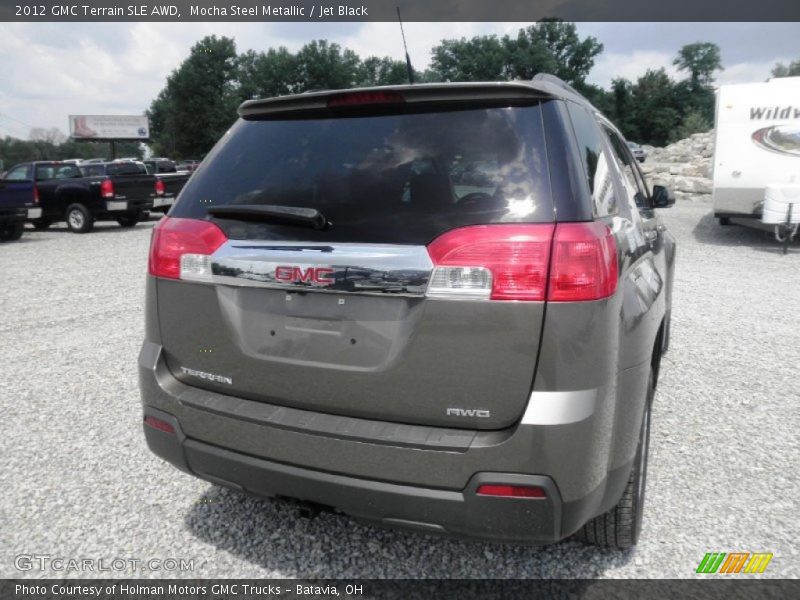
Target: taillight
<point>512,491</point>
<point>160,191</point>
<point>568,262</point>
<point>584,265</point>
<point>157,423</point>
<point>35,194</point>
<point>497,262</point>
<point>365,98</point>
<point>107,189</point>
<point>182,248</point>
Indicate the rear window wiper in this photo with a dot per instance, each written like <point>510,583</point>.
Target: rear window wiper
<point>287,215</point>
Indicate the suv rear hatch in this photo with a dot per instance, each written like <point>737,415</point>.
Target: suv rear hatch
<point>374,257</point>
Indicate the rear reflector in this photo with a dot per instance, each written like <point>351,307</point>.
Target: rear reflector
<point>365,98</point>
<point>584,263</point>
<point>515,262</point>
<point>181,248</point>
<point>512,491</point>
<point>159,187</point>
<point>497,262</point>
<point>156,423</point>
<point>107,189</point>
<point>35,194</point>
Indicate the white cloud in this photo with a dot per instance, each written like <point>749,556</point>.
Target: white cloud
<point>630,65</point>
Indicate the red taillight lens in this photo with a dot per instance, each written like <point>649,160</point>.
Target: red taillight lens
<point>364,98</point>
<point>156,423</point>
<point>512,491</point>
<point>584,265</point>
<point>174,238</point>
<point>500,262</point>
<point>159,188</point>
<point>107,189</point>
<point>35,195</point>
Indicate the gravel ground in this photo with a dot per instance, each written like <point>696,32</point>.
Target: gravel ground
<point>78,481</point>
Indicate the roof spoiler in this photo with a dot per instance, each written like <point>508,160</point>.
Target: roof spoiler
<point>433,93</point>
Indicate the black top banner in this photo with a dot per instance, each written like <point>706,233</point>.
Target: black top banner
<point>412,10</point>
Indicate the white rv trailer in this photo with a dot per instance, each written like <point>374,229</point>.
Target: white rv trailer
<point>757,144</point>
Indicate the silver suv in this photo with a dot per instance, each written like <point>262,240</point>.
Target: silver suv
<point>440,307</point>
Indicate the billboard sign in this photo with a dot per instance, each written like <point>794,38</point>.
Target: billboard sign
<point>109,127</point>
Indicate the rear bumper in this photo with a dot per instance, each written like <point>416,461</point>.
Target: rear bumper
<point>422,478</point>
<point>128,205</point>
<point>13,215</point>
<point>462,513</point>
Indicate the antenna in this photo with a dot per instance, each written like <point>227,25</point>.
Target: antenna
<point>405,47</point>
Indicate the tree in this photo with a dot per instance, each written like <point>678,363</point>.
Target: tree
<point>482,58</point>
<point>263,75</point>
<point>546,47</point>
<point>322,65</point>
<point>382,71</point>
<point>701,60</point>
<point>51,135</point>
<point>572,57</point>
<point>654,108</point>
<point>199,101</point>
<point>693,122</point>
<point>790,70</point>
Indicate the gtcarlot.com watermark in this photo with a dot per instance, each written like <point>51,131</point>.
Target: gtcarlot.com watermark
<point>63,564</point>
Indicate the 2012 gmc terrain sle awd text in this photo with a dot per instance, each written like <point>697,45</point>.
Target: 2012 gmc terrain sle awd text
<point>440,307</point>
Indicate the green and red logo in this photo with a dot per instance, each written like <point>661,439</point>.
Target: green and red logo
<point>734,562</point>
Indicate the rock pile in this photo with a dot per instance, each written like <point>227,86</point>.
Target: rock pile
<point>685,166</point>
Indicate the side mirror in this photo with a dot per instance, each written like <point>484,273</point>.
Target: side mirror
<point>663,197</point>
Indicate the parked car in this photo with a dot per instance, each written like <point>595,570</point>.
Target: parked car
<point>122,193</point>
<point>19,200</point>
<point>334,319</point>
<point>91,161</point>
<point>188,165</point>
<point>638,152</point>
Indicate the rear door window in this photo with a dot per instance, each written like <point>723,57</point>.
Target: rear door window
<point>632,180</point>
<point>396,178</point>
<point>595,161</point>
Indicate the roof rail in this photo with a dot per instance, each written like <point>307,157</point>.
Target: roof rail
<point>557,81</point>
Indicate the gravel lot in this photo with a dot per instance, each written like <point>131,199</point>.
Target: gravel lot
<point>78,481</point>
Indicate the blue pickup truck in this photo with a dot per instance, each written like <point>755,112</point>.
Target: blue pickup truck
<point>18,202</point>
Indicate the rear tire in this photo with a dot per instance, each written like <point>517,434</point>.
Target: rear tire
<point>42,224</point>
<point>11,232</point>
<point>620,527</point>
<point>79,219</point>
<point>128,220</point>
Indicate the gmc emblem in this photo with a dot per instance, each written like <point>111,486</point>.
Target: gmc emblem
<point>320,275</point>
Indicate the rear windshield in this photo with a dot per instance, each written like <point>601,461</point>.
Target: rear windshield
<point>399,178</point>
<point>126,168</point>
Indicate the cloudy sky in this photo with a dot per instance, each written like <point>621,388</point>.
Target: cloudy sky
<point>51,70</point>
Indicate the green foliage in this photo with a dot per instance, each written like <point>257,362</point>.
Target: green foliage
<point>693,122</point>
<point>790,70</point>
<point>199,101</point>
<point>546,47</point>
<point>701,60</point>
<point>14,151</point>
